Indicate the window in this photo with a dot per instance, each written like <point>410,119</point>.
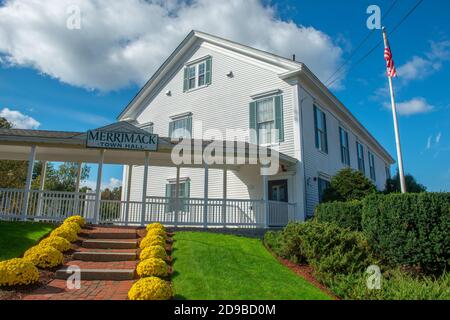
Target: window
<point>323,185</point>
<point>360,154</point>
<point>197,75</point>
<point>320,124</point>
<point>345,153</point>
<point>184,193</point>
<point>148,127</point>
<point>266,118</point>
<point>372,166</point>
<point>388,172</point>
<point>181,128</point>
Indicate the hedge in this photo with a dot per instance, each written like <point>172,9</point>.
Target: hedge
<point>344,214</point>
<point>409,229</point>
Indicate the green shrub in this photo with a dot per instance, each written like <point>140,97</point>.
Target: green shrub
<point>326,246</point>
<point>395,285</point>
<point>272,240</point>
<point>344,214</point>
<point>348,184</point>
<point>409,229</point>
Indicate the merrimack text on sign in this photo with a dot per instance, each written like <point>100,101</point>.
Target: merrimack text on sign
<point>122,140</point>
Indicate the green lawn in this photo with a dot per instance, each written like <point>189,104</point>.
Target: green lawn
<point>216,266</point>
<point>16,237</point>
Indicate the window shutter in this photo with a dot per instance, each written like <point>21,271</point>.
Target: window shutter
<point>325,131</point>
<point>316,134</point>
<point>208,71</point>
<point>279,123</point>
<point>171,125</point>
<point>185,80</point>
<point>252,121</point>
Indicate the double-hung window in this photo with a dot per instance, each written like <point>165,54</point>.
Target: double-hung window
<point>360,155</point>
<point>320,124</point>
<point>372,166</point>
<point>322,185</point>
<point>197,74</point>
<point>345,153</point>
<point>183,193</point>
<point>266,119</point>
<point>181,128</point>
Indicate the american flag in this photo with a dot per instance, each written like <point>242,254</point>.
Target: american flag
<point>391,71</point>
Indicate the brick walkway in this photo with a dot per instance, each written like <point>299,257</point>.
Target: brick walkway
<point>94,289</point>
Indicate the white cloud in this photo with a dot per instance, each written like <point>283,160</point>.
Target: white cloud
<point>438,137</point>
<point>123,42</point>
<point>429,142</point>
<point>111,184</point>
<point>422,67</point>
<point>413,106</point>
<point>18,119</point>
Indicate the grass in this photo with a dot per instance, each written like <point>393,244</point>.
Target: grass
<point>226,267</point>
<point>16,237</point>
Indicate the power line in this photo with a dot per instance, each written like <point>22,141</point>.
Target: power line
<point>380,41</point>
<point>361,43</point>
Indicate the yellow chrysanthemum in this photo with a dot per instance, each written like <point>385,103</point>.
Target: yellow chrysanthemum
<point>72,225</point>
<point>152,240</point>
<point>65,232</point>
<point>77,219</point>
<point>44,256</point>
<point>156,225</point>
<point>18,272</point>
<point>151,288</point>
<point>152,267</point>
<point>56,242</point>
<point>153,252</point>
<point>157,232</point>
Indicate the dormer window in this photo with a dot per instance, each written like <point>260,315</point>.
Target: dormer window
<point>197,74</point>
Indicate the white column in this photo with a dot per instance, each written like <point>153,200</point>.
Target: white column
<point>205,197</point>
<point>177,196</point>
<point>26,197</point>
<point>98,191</point>
<point>77,188</point>
<point>224,198</point>
<point>41,187</point>
<point>144,187</point>
<point>127,210</point>
<point>266,200</point>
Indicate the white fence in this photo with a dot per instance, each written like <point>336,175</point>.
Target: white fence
<point>55,206</point>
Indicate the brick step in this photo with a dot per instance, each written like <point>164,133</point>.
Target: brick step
<point>110,235</point>
<point>82,249</point>
<point>98,274</point>
<point>110,244</point>
<point>104,256</point>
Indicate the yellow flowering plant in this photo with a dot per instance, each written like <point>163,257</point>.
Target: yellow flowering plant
<point>156,225</point>
<point>77,219</point>
<point>157,232</point>
<point>72,225</point>
<point>18,272</point>
<point>44,256</point>
<point>153,252</point>
<point>64,231</point>
<point>152,240</point>
<point>152,267</point>
<point>56,242</point>
<point>151,288</point>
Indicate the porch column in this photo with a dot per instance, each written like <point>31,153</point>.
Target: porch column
<point>205,197</point>
<point>98,191</point>
<point>26,196</point>
<point>144,187</point>
<point>127,210</point>
<point>266,200</point>
<point>177,196</point>
<point>41,187</point>
<point>77,188</point>
<point>224,198</point>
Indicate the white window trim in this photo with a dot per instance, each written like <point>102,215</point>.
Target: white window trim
<point>322,110</point>
<point>195,63</point>
<point>174,180</point>
<point>271,144</point>
<point>266,94</point>
<point>181,115</point>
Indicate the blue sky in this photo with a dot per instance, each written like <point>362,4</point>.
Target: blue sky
<point>64,82</point>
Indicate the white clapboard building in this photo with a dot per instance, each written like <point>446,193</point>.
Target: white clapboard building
<point>213,83</point>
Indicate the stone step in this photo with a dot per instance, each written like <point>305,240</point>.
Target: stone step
<point>111,235</point>
<point>98,274</point>
<point>104,256</point>
<point>110,244</point>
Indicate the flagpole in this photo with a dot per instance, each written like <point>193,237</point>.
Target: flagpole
<point>397,134</point>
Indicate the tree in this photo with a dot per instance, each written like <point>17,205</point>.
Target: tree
<point>348,184</point>
<point>114,194</point>
<point>393,184</point>
<point>13,173</point>
<point>62,179</point>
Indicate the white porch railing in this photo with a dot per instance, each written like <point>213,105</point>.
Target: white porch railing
<point>56,206</point>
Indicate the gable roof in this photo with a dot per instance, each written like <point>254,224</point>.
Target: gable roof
<point>293,69</point>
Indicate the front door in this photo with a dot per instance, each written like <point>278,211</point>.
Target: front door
<point>278,190</point>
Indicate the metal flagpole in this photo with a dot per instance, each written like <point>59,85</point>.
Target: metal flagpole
<point>394,115</point>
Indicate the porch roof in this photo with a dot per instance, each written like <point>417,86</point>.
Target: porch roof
<point>62,146</point>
